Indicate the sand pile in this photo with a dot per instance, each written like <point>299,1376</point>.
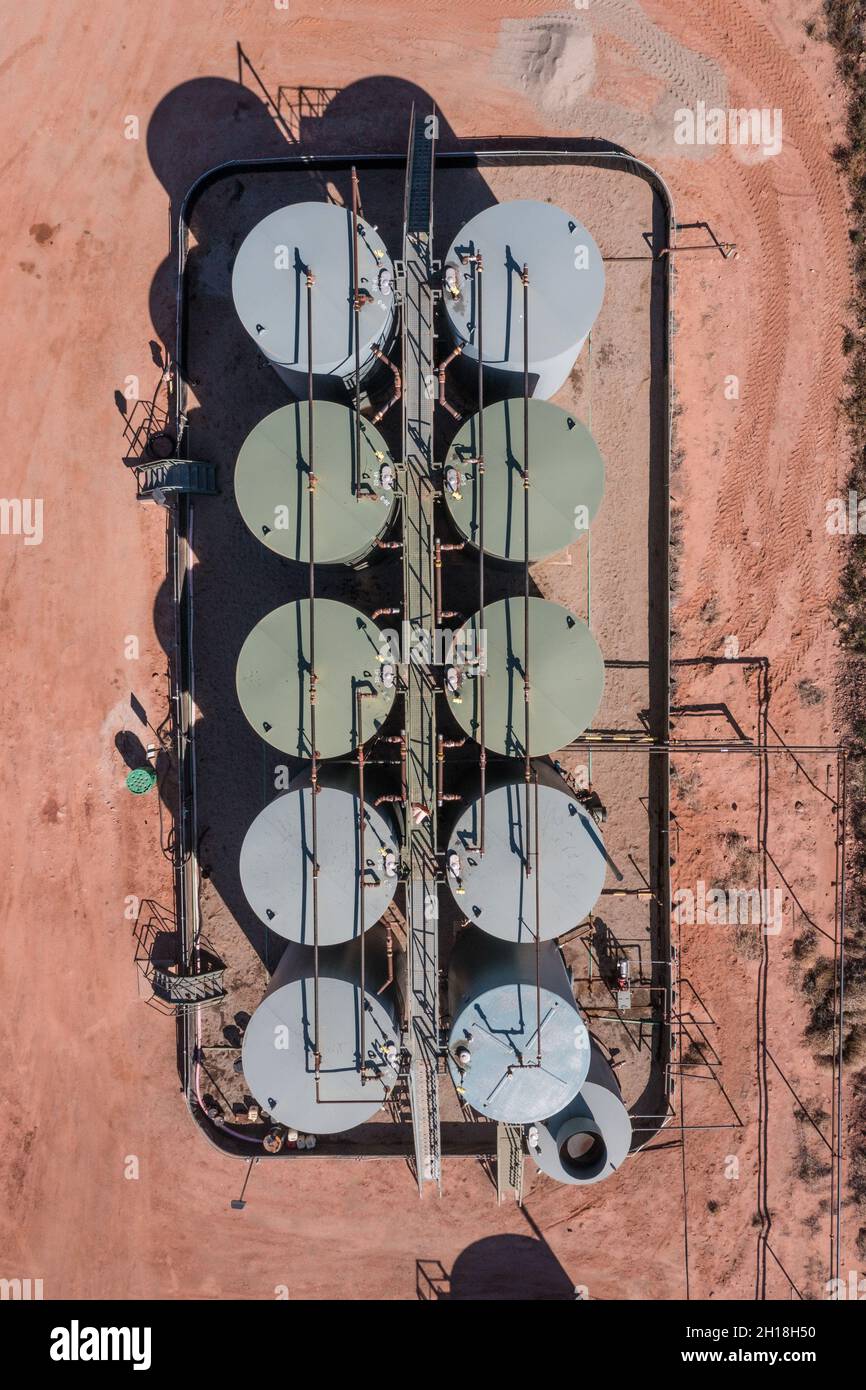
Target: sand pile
<point>608,71</point>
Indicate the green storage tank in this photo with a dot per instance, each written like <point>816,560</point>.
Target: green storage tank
<point>352,507</point>
<point>566,677</point>
<point>566,479</point>
<point>353,697</point>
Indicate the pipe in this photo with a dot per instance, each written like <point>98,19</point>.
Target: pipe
<point>398,384</point>
<point>359,696</point>
<point>362,864</point>
<point>439,550</point>
<point>236,1133</point>
<point>440,768</point>
<point>437,575</point>
<point>404,792</point>
<point>389,956</point>
<point>482,767</point>
<point>441,744</point>
<point>441,370</point>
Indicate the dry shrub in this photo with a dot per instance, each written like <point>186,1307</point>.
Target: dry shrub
<point>810,693</point>
<point>748,940</point>
<point>742,859</point>
<point>804,944</point>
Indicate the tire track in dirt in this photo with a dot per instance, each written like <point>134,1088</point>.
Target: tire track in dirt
<point>744,473</point>
<point>783,482</point>
<point>807,472</point>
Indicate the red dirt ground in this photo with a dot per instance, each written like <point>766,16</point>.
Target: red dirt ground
<point>90,1073</point>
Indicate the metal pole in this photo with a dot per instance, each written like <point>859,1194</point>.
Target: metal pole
<point>356,306</point>
<point>479,465</point>
<point>537,928</point>
<point>527,770</point>
<point>842,799</point>
<point>314,768</point>
<point>362,923</point>
<point>589,547</point>
<point>314,773</point>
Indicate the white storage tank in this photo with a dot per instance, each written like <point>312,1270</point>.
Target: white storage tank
<point>277,860</point>
<point>269,286</point>
<point>356,1073</point>
<point>495,988</point>
<point>559,841</point>
<point>590,1138</point>
<point>566,289</point>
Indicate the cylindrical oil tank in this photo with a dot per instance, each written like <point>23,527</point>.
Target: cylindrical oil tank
<point>281,1039</point>
<point>494,990</point>
<point>565,672</point>
<point>269,286</point>
<point>355,498</point>
<point>588,1139</point>
<point>277,859</point>
<point>559,842</point>
<point>566,475</point>
<point>566,287</point>
<point>353,698</point>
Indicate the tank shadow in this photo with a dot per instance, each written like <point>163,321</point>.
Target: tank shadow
<point>501,1268</point>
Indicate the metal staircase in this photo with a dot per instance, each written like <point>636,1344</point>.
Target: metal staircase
<point>188,991</point>
<point>155,480</point>
<point>420,618</point>
<point>419,176</point>
<point>509,1163</point>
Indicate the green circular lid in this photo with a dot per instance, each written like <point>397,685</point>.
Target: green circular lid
<point>272,483</point>
<point>566,677</point>
<point>566,479</point>
<point>273,678</point>
<point>141,780</point>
